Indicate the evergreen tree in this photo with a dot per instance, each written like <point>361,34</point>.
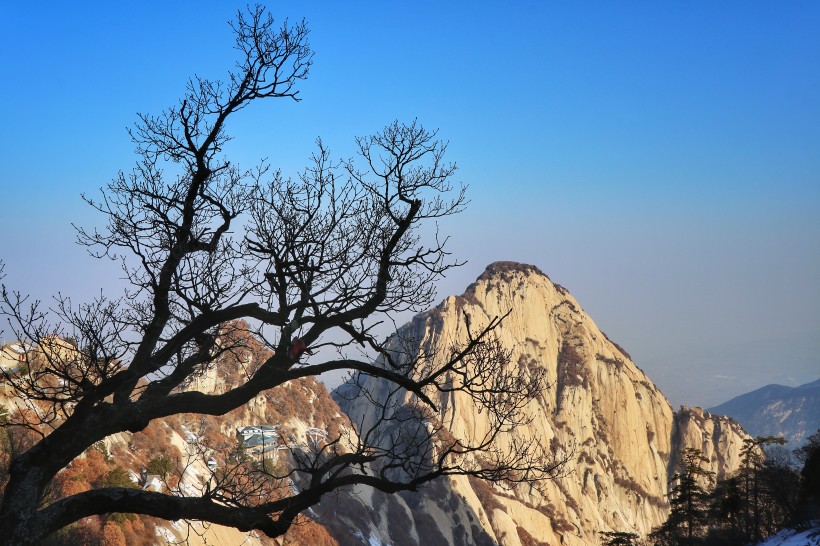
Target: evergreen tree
<point>809,497</point>
<point>618,538</point>
<point>779,486</point>
<point>753,491</point>
<point>689,501</point>
<point>726,525</point>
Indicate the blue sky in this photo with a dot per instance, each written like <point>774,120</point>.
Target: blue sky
<point>662,161</point>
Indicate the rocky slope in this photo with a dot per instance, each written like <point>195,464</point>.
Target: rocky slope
<point>625,436</point>
<point>777,410</point>
<point>294,408</point>
<point>193,447</point>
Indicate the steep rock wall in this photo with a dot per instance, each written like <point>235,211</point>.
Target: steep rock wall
<point>600,406</point>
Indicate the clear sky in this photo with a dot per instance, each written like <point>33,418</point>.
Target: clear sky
<point>660,160</point>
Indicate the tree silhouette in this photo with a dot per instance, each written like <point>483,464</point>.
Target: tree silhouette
<point>618,538</point>
<point>689,501</point>
<point>313,263</point>
<point>753,460</point>
<point>809,495</point>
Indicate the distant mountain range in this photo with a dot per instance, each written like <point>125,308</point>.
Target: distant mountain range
<point>777,410</point>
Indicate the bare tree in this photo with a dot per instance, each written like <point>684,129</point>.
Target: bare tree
<point>311,263</point>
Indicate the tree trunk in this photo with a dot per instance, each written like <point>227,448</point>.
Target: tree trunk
<point>19,507</point>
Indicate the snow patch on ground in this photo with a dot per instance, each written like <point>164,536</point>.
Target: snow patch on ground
<point>166,534</point>
<point>373,541</point>
<point>794,537</point>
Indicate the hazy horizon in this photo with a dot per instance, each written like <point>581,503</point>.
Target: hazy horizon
<point>659,161</point>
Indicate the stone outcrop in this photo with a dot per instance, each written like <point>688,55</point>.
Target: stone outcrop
<point>622,432</point>
<point>719,438</point>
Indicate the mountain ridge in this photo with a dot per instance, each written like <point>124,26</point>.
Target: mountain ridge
<point>627,437</point>
<point>777,410</point>
<point>623,435</point>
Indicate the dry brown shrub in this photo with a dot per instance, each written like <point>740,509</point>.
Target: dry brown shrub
<point>70,482</point>
<point>572,372</point>
<point>92,468</point>
<point>150,438</point>
<point>527,539</point>
<point>486,495</point>
<point>312,533</point>
<point>112,535</point>
<point>88,531</point>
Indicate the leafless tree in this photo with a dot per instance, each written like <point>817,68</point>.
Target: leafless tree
<point>313,262</point>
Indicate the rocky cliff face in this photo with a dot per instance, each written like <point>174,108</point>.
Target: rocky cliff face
<point>623,435</point>
<point>599,406</point>
<point>719,438</point>
<point>190,440</point>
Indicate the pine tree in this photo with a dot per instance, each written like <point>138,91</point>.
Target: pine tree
<point>618,538</point>
<point>689,502</point>
<point>752,464</point>
<point>727,511</point>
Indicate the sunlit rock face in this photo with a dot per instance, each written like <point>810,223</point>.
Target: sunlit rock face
<point>624,438</point>
<point>599,406</point>
<point>719,438</point>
